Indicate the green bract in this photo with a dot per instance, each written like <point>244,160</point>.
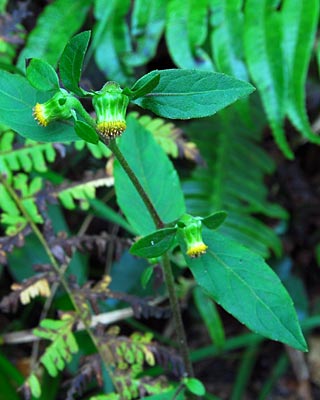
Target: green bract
<point>110,105</point>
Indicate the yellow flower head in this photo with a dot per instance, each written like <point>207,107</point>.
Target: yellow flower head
<point>58,107</point>
<point>192,236</point>
<point>196,249</point>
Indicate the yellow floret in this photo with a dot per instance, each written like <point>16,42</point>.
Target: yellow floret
<point>197,250</point>
<point>39,114</point>
<point>111,129</point>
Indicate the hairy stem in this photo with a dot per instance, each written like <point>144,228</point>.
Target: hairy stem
<point>174,303</point>
<point>58,270</point>
<point>168,275</point>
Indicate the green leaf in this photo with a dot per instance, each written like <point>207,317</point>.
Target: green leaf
<point>139,90</point>
<point>71,61</point>
<point>34,385</point>
<point>111,39</point>
<point>166,395</point>
<point>17,98</point>
<point>156,174</point>
<point>102,210</point>
<point>59,21</point>
<point>42,75</point>
<point>155,244</point>
<point>210,316</point>
<point>147,24</point>
<point>195,386</point>
<point>214,220</point>
<point>264,56</point>
<point>242,283</point>
<point>226,40</point>
<point>185,94</point>
<point>299,19</point>
<point>86,132</point>
<point>146,276</point>
<point>186,31</point>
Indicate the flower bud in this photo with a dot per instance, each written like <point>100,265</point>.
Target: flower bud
<point>58,107</point>
<point>110,106</point>
<point>193,239</point>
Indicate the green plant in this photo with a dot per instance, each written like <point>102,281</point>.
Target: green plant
<point>200,226</point>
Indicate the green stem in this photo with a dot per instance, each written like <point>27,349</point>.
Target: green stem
<point>83,113</point>
<point>59,272</point>
<point>174,303</point>
<point>168,275</point>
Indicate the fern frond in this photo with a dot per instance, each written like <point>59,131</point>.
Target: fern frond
<point>169,137</point>
<point>31,387</point>
<point>11,216</point>
<point>37,285</point>
<point>63,343</point>
<point>99,150</point>
<point>38,288</point>
<point>32,156</point>
<point>82,192</point>
<point>233,180</point>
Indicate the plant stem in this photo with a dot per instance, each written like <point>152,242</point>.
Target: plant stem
<point>180,331</point>
<point>168,275</point>
<point>84,114</point>
<point>59,272</point>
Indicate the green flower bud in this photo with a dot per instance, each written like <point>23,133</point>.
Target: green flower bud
<point>110,105</point>
<point>58,107</point>
<point>192,236</point>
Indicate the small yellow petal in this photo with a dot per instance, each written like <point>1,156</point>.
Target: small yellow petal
<point>111,129</point>
<point>197,250</point>
<point>39,115</point>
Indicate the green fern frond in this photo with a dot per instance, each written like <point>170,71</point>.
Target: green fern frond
<point>168,136</point>
<point>32,156</point>
<point>11,217</point>
<point>32,386</point>
<point>63,344</point>
<point>82,193</point>
<point>99,150</point>
<point>233,180</point>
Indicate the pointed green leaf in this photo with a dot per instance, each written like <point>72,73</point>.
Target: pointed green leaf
<point>155,244</point>
<point>242,283</point>
<point>71,61</point>
<point>186,31</point>
<point>58,22</point>
<point>139,90</point>
<point>34,385</point>
<point>147,24</point>
<point>264,56</point>
<point>227,39</point>
<point>42,75</point>
<point>111,39</point>
<point>300,19</point>
<point>210,316</point>
<point>156,174</point>
<point>195,386</point>
<point>17,98</point>
<point>214,220</point>
<point>86,132</point>
<point>185,94</point>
